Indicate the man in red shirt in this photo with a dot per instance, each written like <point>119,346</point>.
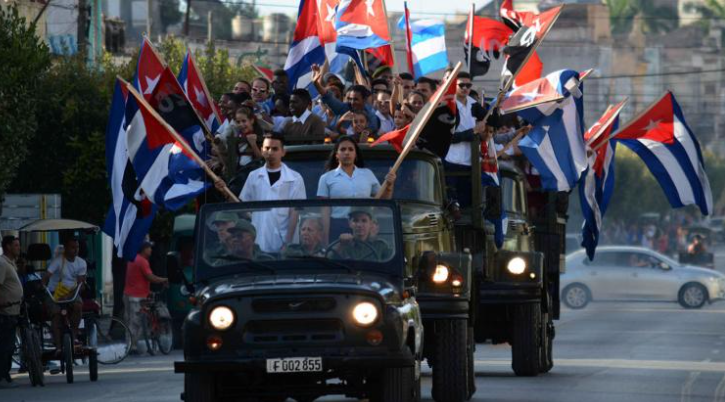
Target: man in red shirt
<point>138,286</point>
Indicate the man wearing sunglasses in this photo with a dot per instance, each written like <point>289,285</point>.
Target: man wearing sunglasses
<point>459,154</point>
<point>260,93</point>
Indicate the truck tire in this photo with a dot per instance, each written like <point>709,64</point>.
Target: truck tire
<point>546,352</point>
<point>450,368</point>
<point>471,363</point>
<point>199,387</point>
<point>526,339</point>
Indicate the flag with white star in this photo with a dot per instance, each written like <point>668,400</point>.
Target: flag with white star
<point>362,24</point>
<point>148,70</point>
<point>661,137</point>
<point>555,145</point>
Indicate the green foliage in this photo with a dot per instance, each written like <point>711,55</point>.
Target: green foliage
<point>636,191</point>
<point>24,58</point>
<point>67,155</point>
<point>655,18</point>
<point>170,13</point>
<point>68,118</point>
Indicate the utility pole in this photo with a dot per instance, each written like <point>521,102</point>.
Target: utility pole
<point>148,17</point>
<point>209,30</point>
<point>186,17</point>
<point>81,34</point>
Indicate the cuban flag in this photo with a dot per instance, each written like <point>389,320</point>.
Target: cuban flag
<point>428,45</point>
<point>170,102</point>
<point>148,70</point>
<point>129,219</point>
<point>196,90</point>
<point>597,186</point>
<point>555,145</point>
<point>666,144</point>
<point>306,48</point>
<point>168,174</point>
<point>361,24</point>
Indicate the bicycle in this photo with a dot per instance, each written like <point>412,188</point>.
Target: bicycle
<point>156,325</point>
<point>68,350</point>
<point>29,348</point>
<point>109,335</point>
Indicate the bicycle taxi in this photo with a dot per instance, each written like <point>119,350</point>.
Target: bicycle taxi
<point>100,339</point>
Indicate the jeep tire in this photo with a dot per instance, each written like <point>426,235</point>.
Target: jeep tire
<point>451,361</point>
<point>396,384</point>
<point>199,387</point>
<point>526,339</point>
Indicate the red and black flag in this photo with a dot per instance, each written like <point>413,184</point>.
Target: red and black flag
<point>488,39</point>
<point>520,46</point>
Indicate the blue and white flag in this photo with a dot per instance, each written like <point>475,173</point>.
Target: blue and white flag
<point>428,43</point>
<point>131,214</point>
<point>306,48</point>
<point>555,145</point>
<point>667,145</point>
<point>597,185</point>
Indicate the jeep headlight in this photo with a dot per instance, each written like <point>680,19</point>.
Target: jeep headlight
<point>441,274</point>
<point>221,318</point>
<point>516,266</point>
<point>365,313</point>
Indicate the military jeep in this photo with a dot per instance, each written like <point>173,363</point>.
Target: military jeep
<point>439,271</point>
<point>308,319</point>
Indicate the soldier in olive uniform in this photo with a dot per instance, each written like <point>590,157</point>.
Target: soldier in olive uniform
<point>361,244</point>
<point>310,240</point>
<point>240,244</point>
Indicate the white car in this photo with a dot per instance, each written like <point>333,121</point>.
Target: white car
<point>637,273</point>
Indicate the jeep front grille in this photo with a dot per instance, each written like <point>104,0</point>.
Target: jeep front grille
<point>286,331</point>
<point>289,305</point>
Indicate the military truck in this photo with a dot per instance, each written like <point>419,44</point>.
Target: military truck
<point>303,321</point>
<point>468,290</point>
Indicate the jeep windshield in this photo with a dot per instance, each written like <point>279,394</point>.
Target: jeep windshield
<point>283,236</point>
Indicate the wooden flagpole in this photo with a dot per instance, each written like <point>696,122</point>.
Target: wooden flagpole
<point>418,129</point>
<point>180,140</point>
<point>631,121</point>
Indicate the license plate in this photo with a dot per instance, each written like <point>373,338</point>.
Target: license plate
<point>294,365</point>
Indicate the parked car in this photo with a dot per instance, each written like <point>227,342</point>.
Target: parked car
<point>637,273</point>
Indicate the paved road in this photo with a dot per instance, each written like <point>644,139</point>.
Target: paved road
<point>639,352</point>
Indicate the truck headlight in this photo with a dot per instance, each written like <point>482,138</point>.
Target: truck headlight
<point>516,266</point>
<point>221,318</point>
<point>441,274</point>
<point>365,313</point>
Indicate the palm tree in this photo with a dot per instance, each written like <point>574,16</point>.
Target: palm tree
<point>655,19</point>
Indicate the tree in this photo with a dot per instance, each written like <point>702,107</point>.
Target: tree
<point>655,19</point>
<point>68,153</point>
<point>170,13</point>
<point>24,58</point>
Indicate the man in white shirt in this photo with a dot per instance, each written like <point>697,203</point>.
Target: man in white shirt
<point>274,181</point>
<point>70,270</point>
<point>459,154</point>
<point>382,107</point>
